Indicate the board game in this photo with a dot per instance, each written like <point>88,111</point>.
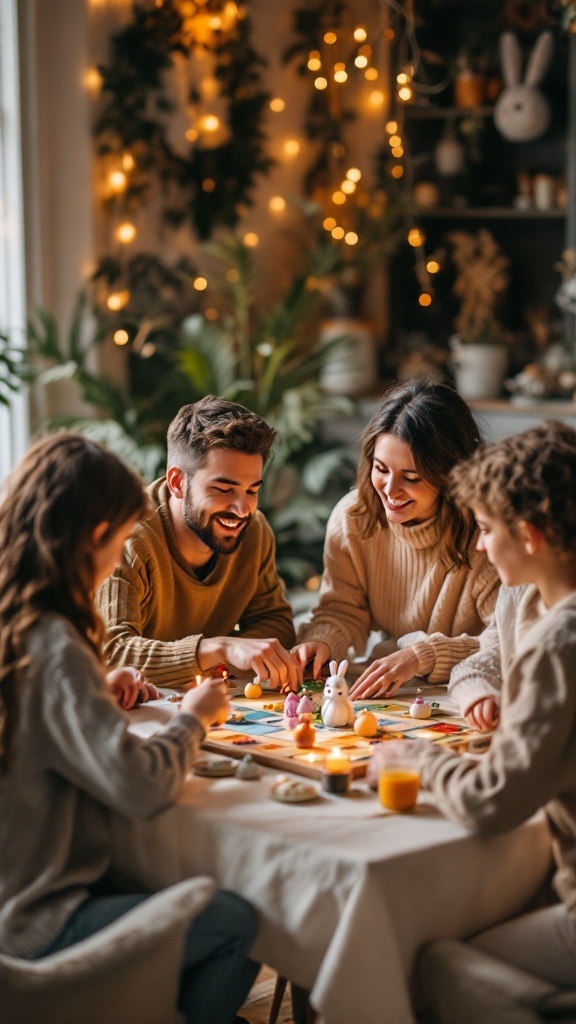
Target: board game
<point>257,727</point>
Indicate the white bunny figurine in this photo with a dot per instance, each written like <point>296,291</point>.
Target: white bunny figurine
<point>522,112</point>
<point>337,711</point>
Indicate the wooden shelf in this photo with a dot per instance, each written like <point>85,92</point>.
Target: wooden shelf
<point>490,212</point>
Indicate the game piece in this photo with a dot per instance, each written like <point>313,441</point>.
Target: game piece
<point>304,732</point>
<point>291,710</point>
<point>305,704</point>
<point>291,791</point>
<point>420,709</point>
<point>235,716</point>
<point>252,690</point>
<point>337,711</point>
<point>248,769</point>
<point>214,769</point>
<point>366,724</point>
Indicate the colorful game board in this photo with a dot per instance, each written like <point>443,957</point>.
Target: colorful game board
<point>257,727</point>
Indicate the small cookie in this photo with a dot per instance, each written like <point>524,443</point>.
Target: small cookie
<point>214,769</point>
<point>290,791</point>
<point>248,769</point>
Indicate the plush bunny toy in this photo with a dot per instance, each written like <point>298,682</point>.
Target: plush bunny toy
<point>522,112</point>
<point>337,711</point>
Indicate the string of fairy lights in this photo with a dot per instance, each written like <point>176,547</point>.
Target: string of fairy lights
<point>345,54</point>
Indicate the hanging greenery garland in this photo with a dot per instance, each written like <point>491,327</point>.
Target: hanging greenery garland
<point>183,112</point>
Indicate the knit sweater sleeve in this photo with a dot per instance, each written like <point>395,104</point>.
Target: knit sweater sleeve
<point>268,613</point>
<point>438,653</point>
<point>86,738</point>
<point>121,601</point>
<point>342,616</point>
<point>532,758</point>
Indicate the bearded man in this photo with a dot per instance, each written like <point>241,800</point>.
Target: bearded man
<point>198,584</point>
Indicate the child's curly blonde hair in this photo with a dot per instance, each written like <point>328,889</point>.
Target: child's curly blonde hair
<point>531,476</point>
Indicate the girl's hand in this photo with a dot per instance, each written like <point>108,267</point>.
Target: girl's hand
<point>129,687</point>
<point>311,649</point>
<point>484,714</point>
<point>208,702</point>
<point>386,675</point>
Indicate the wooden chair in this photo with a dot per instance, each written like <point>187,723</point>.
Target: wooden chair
<point>127,972</point>
<point>302,1012</point>
<point>462,984</point>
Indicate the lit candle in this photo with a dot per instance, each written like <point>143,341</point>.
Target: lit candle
<point>337,763</point>
<point>198,680</point>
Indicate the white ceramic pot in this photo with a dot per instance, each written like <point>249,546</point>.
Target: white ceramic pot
<point>350,368</point>
<point>479,370</point>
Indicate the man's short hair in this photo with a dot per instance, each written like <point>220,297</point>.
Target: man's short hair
<point>216,423</point>
<point>530,476</point>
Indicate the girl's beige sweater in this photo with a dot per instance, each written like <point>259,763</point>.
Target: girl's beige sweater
<point>394,582</point>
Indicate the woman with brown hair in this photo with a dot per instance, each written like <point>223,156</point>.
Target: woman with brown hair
<point>399,556</point>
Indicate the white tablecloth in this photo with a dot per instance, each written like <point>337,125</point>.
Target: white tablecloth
<point>346,891</point>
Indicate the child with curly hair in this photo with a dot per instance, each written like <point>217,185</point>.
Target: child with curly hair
<point>522,492</point>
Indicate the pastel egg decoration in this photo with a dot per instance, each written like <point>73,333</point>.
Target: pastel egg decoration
<point>366,724</point>
<point>306,704</point>
<point>291,705</point>
<point>252,690</point>
<point>420,709</point>
<point>337,710</point>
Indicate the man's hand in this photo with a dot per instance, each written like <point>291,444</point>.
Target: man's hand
<point>129,687</point>
<point>266,658</point>
<point>208,702</point>
<point>484,714</point>
<point>386,675</point>
<point>311,649</point>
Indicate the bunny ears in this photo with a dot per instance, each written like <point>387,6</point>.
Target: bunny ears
<point>538,61</point>
<point>338,669</point>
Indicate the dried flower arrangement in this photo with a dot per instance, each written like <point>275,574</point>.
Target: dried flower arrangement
<point>481,282</point>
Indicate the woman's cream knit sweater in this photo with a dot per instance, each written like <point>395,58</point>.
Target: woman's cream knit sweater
<point>394,582</point>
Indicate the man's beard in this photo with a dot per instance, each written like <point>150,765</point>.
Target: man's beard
<point>201,524</point>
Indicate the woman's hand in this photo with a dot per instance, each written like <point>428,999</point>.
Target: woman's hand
<point>208,702</point>
<point>386,675</point>
<point>312,650</point>
<point>129,687</point>
<point>484,714</point>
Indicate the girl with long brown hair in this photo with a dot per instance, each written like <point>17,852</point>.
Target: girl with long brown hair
<point>399,556</point>
<point>66,757</point>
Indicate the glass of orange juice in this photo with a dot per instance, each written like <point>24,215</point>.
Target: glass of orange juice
<point>398,780</point>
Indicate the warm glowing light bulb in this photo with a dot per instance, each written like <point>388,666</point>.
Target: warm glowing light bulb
<point>376,98</point>
<point>118,181</point>
<point>210,123</point>
<point>93,81</point>
<point>208,185</point>
<point>277,204</point>
<point>361,61</point>
<point>405,93</point>
<point>432,266</point>
<point>395,140</point>
<point>397,152</point>
<point>251,239</point>
<point>338,198</point>
<point>314,64</point>
<point>425,299</point>
<point>330,38</point>
<point>127,162</point>
<point>339,65</point>
<point>360,34</point>
<point>191,135</point>
<point>117,300</point>
<point>125,232</point>
<point>337,232</point>
<point>121,337</point>
<point>340,76</point>
<point>277,104</point>
<point>416,237</point>
<point>371,74</point>
<point>329,223</point>
<point>291,147</point>
<point>314,53</point>
<point>402,78</point>
<point>348,187</point>
<point>215,23</point>
<point>389,33</point>
<point>354,174</point>
<point>321,82</point>
<point>391,127</point>
<point>211,313</point>
<point>351,238</point>
<point>200,284</point>
<point>397,171</point>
